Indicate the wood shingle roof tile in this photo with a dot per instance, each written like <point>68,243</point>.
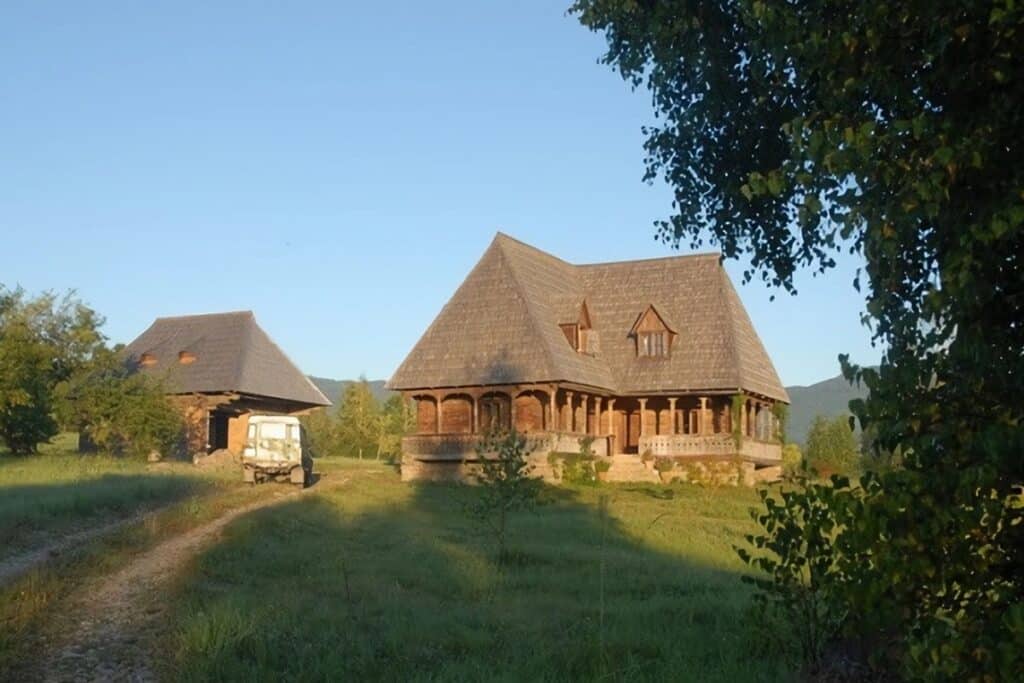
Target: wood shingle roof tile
<point>231,353</point>
<point>502,326</point>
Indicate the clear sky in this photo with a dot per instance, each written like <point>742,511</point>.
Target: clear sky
<point>336,167</point>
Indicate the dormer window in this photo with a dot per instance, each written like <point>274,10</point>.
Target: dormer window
<point>186,357</point>
<point>581,335</point>
<point>653,344</point>
<point>147,360</point>
<point>652,334</point>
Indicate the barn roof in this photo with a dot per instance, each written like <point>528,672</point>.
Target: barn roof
<point>502,326</point>
<point>229,352</point>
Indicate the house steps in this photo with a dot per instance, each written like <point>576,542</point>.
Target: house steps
<point>629,468</point>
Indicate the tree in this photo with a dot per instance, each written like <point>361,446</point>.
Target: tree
<point>119,409</point>
<point>359,419</point>
<point>791,131</point>
<point>831,445</point>
<point>44,340</point>
<point>505,485</point>
<point>396,420</point>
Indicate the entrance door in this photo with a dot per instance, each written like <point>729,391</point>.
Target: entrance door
<point>633,432</point>
<point>217,434</point>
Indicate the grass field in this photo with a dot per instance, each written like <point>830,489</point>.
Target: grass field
<point>375,579</point>
<point>59,491</point>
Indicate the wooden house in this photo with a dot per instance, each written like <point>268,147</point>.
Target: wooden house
<point>641,359</point>
<point>221,368</point>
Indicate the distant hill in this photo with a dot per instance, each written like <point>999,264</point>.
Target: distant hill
<point>828,398</point>
<point>332,388</point>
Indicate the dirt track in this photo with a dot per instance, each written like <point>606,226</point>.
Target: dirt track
<point>106,632</point>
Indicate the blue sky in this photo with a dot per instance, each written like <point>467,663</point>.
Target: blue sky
<point>336,167</point>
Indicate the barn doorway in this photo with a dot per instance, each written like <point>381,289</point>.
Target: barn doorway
<point>217,432</point>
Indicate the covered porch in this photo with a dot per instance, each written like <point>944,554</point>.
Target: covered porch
<point>557,417</point>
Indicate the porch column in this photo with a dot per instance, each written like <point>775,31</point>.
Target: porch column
<point>745,427</point>
<point>570,425</point>
<point>702,424</point>
<point>672,415</point>
<point>611,417</point>
<point>437,413</point>
<point>597,415</point>
<point>643,414</point>
<point>585,404</point>
<point>552,407</point>
<point>476,414</point>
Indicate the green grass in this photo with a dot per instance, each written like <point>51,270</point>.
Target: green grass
<point>58,491</point>
<point>375,579</point>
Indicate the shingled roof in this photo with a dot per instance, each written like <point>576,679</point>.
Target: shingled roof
<point>230,352</point>
<point>502,326</point>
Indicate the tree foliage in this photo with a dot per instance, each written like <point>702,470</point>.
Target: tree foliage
<point>831,445</point>
<point>791,131</point>
<point>361,426</point>
<point>120,410</point>
<point>44,340</point>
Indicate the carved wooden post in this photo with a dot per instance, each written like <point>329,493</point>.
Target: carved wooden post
<point>570,425</point>
<point>585,404</point>
<point>643,415</point>
<point>597,415</point>
<point>702,423</point>
<point>552,415</point>
<point>476,413</point>
<point>437,414</point>
<point>611,420</point>
<point>672,416</point>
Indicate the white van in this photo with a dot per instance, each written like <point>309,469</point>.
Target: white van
<point>275,449</point>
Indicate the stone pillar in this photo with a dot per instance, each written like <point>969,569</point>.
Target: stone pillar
<point>643,414</point>
<point>672,416</point>
<point>702,421</point>
<point>570,425</point>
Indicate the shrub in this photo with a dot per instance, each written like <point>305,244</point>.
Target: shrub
<point>792,459</point>
<point>663,465</point>
<point>831,446</point>
<point>800,576</point>
<point>506,485</point>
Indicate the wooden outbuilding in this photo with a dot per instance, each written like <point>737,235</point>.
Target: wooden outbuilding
<point>221,368</point>
<point>652,358</point>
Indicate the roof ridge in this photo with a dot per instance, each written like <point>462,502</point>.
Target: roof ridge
<point>678,257</point>
<point>207,315</point>
<point>549,357</point>
<point>505,236</point>
<point>253,329</point>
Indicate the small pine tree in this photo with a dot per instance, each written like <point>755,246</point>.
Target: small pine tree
<point>506,485</point>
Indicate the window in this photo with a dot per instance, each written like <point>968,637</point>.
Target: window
<point>186,357</point>
<point>653,344</point>
<point>147,359</point>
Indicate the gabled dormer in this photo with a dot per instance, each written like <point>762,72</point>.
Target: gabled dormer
<point>652,334</point>
<point>580,333</point>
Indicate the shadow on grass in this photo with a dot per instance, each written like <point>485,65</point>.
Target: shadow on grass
<point>39,513</point>
<point>388,581</point>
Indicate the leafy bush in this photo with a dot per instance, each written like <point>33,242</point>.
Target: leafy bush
<point>120,410</point>
<point>663,465</point>
<point>575,468</point>
<point>792,460</point>
<point>831,446</point>
<point>801,575</point>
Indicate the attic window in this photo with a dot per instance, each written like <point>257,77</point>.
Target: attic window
<point>653,335</point>
<point>147,359</point>
<point>581,335</point>
<point>186,357</point>
<point>653,344</point>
